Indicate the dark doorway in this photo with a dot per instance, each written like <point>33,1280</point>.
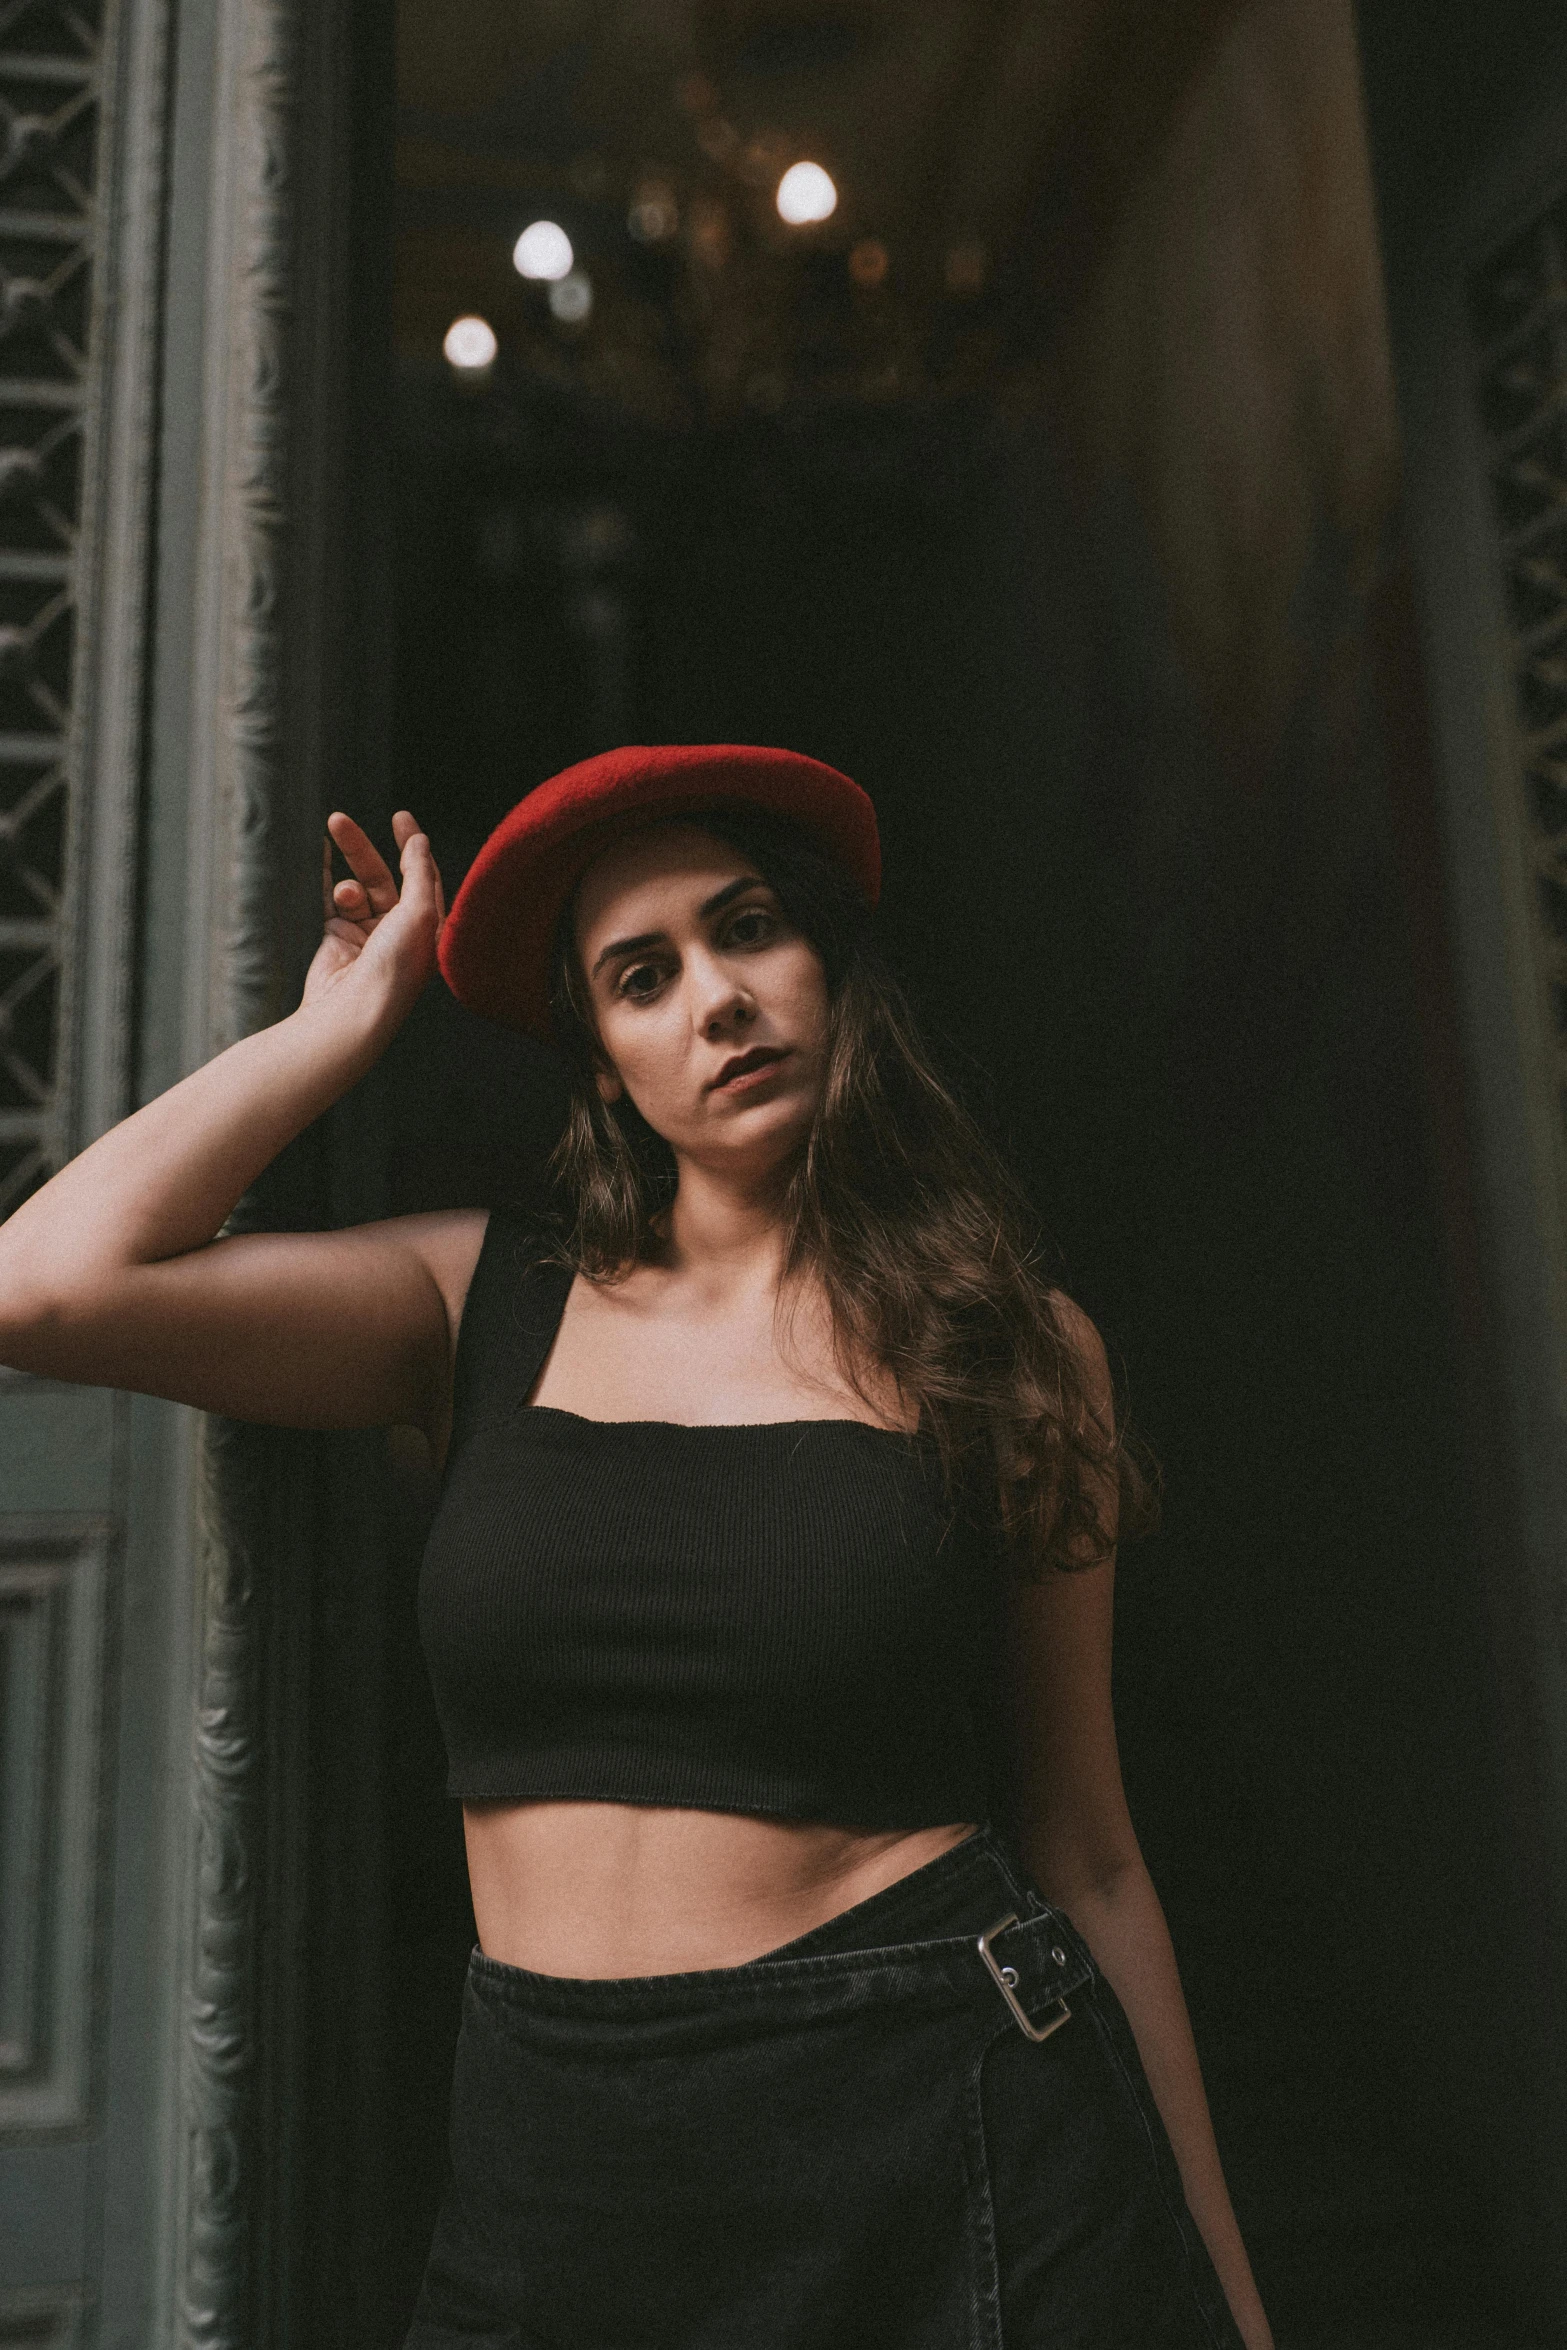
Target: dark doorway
<point>1151,897</point>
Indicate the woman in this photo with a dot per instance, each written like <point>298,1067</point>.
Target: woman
<point>768,1605</point>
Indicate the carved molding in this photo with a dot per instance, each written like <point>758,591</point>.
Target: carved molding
<point>255,511</point>
<point>1518,317</point>
<point>221,2293</point>
<point>219,2086</point>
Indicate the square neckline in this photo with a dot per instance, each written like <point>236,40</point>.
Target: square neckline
<point>590,1420</point>
<point>726,1427</point>
<point>512,1316</point>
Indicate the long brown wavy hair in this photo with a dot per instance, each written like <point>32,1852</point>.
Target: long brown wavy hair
<point>918,1231</point>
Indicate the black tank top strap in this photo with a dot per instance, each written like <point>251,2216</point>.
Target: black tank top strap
<point>509,1319</point>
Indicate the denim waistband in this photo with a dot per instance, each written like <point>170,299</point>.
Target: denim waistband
<point>915,1937</point>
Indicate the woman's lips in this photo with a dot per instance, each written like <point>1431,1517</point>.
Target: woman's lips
<point>750,1069</point>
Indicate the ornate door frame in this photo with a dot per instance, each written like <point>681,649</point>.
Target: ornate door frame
<point>178,606</point>
<point>1467,114</point>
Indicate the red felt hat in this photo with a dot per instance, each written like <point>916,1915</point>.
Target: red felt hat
<point>499,936</point>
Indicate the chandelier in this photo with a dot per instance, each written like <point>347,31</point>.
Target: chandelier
<point>702,215</point>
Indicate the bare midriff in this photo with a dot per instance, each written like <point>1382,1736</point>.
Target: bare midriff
<point>601,1890</point>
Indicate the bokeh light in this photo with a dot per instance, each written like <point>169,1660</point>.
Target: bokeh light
<point>543,251</point>
<point>470,345</point>
<point>571,298</point>
<point>805,194</point>
<point>868,262</point>
<point>654,213</point>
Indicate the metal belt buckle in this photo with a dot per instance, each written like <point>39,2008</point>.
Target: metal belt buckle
<point>1005,1978</point>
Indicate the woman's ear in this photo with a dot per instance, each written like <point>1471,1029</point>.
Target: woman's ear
<point>609,1085</point>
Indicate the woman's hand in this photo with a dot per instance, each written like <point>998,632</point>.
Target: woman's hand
<point>113,1273</point>
<point>377,938</point>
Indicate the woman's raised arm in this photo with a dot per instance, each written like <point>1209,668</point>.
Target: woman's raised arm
<point>113,1273</point>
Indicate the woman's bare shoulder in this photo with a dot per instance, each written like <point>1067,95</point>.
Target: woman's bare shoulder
<point>447,1242</point>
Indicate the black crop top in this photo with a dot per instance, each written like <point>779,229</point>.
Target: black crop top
<point>779,1618</point>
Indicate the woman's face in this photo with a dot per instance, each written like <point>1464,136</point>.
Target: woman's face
<point>711,1008</point>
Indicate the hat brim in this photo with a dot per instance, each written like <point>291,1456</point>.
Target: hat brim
<point>498,940</point>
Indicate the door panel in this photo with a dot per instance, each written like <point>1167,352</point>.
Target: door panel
<point>82,89</point>
<point>54,1576</point>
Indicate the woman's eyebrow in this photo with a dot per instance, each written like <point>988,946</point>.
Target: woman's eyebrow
<point>626,946</point>
<point>731,889</point>
<point>652,938</point>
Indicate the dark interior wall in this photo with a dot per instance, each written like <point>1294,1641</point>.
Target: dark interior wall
<point>1231,1156</point>
<point>1105,665</point>
<point>1227,390</point>
<point>1448,86</point>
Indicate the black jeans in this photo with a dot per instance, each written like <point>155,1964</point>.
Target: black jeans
<point>849,2144</point>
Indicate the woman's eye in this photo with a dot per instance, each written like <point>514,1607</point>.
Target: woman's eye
<point>751,926</point>
<point>640,980</point>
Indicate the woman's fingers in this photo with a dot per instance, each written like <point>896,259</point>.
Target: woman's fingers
<point>365,862</point>
<point>406,829</point>
<point>421,874</point>
<point>370,891</point>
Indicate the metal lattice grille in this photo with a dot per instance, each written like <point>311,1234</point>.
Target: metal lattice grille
<point>1518,312</point>
<point>49,59</point>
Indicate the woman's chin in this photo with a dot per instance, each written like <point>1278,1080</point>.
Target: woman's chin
<point>757,1142</point>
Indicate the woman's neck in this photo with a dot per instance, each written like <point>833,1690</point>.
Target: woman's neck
<point>724,1233</point>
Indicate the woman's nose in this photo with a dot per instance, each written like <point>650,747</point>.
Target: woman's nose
<point>722,1004</point>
